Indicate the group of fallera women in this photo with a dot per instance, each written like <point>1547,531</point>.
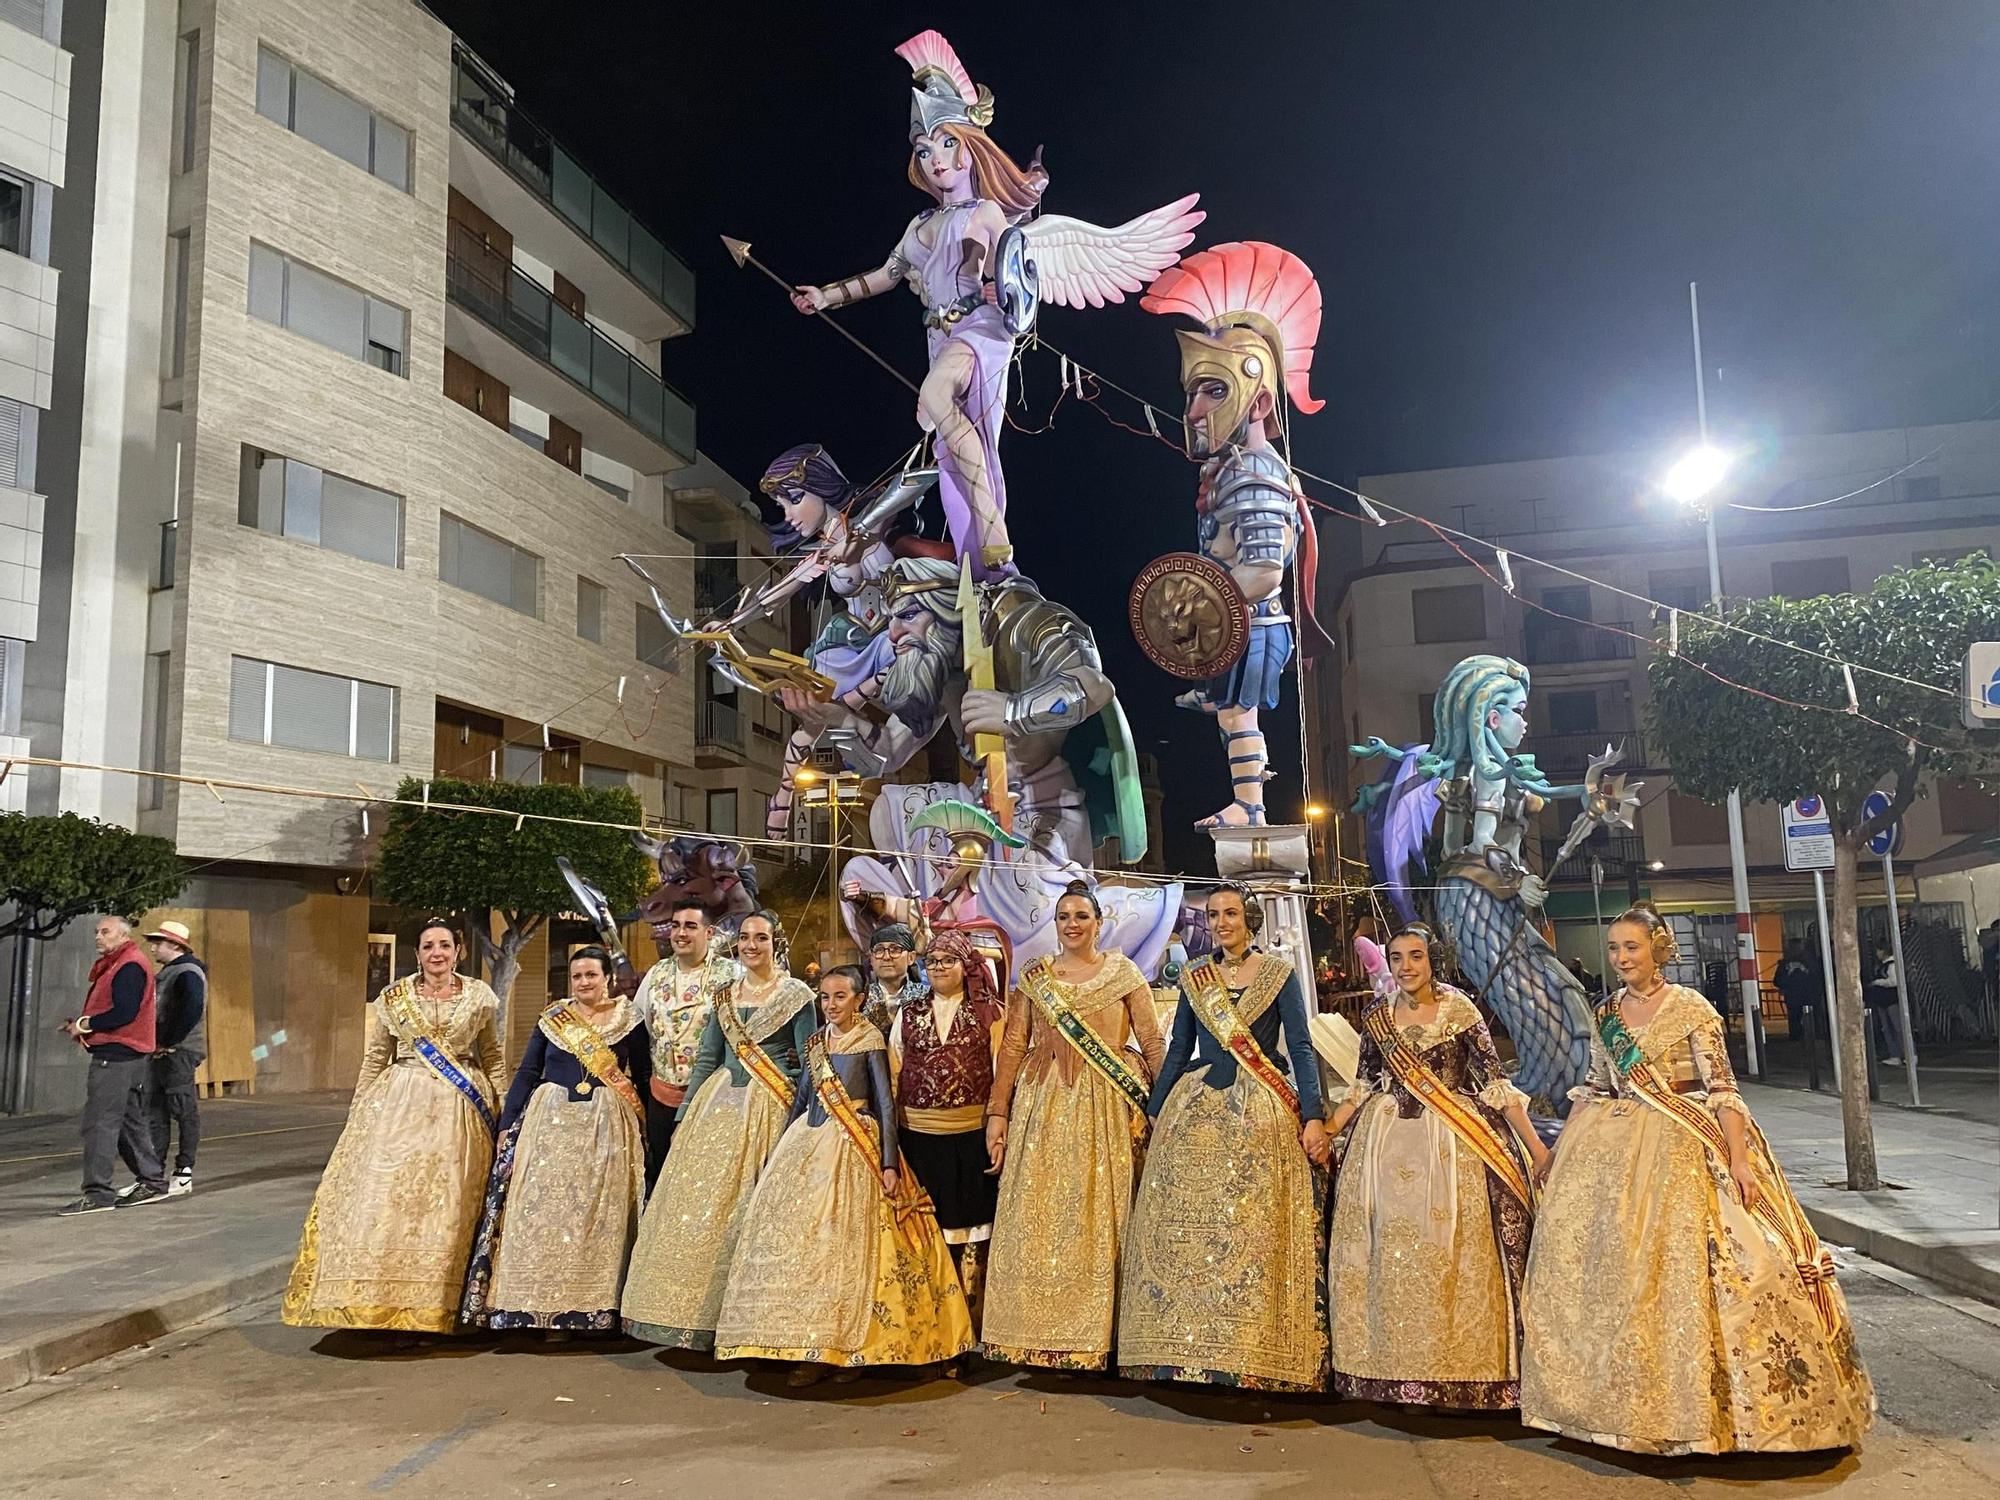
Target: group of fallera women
<point>909,1176</point>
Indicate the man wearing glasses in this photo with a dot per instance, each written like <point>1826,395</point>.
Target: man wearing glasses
<point>892,984</point>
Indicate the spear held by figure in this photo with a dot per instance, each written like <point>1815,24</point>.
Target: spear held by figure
<point>990,750</point>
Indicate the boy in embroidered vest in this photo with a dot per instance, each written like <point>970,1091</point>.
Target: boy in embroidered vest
<point>840,1261</point>
<point>892,983</point>
<point>942,1046</point>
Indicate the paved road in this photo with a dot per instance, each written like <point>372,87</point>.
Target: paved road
<point>247,1407</point>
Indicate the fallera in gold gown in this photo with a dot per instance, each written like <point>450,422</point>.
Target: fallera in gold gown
<point>390,1230</point>
<point>1659,1315</point>
<point>1066,1185</point>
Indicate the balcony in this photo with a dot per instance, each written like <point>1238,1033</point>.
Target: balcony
<point>1620,852</point>
<point>716,585</point>
<point>717,725</point>
<point>1550,642</point>
<point>1564,756</point>
<point>578,373</point>
<point>518,172</point>
<point>170,532</point>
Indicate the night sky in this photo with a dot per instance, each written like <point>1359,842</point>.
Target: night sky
<point>1503,203</point>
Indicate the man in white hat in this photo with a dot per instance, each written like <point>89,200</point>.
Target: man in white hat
<point>180,1043</point>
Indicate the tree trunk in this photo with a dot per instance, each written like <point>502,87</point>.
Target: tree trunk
<point>1856,1125</point>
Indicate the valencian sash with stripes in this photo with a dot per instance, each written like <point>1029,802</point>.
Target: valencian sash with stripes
<point>1458,1112</point>
<point>742,1036</point>
<point>1203,984</point>
<point>399,1004</point>
<point>910,1195</point>
<point>1039,981</point>
<point>1777,1210</point>
<point>566,1026</point>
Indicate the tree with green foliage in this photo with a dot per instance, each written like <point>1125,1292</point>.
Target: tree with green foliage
<point>54,870</point>
<point>444,861</point>
<point>1903,730</point>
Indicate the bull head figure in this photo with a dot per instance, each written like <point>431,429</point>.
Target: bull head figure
<point>716,874</point>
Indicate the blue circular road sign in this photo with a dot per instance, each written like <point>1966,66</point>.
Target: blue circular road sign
<point>1890,839</point>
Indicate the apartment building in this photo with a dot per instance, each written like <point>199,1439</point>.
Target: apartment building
<point>1411,607</point>
<point>378,359</point>
<point>35,82</point>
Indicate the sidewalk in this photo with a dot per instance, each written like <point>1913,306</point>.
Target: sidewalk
<point>1939,1215</point>
<point>73,1290</point>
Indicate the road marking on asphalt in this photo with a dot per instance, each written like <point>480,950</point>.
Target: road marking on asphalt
<point>435,1449</point>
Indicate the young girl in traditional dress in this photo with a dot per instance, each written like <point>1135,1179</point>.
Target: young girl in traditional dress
<point>390,1231</point>
<point>840,1261</point>
<point>1067,1112</point>
<point>1432,1207</point>
<point>569,1174</point>
<point>740,1094</point>
<point>1677,1300</point>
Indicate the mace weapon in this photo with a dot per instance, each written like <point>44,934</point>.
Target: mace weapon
<point>990,750</point>
<point>739,251</point>
<point>1607,803</point>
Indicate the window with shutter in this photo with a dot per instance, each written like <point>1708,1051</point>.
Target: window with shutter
<point>10,443</point>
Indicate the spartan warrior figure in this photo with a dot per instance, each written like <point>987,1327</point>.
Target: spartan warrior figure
<point>1258,307</point>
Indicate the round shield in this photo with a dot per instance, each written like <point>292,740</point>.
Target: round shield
<point>1017,283</point>
<point>1188,616</point>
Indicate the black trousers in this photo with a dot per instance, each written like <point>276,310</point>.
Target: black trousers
<point>659,1136</point>
<point>171,1100</point>
<point>115,1127</point>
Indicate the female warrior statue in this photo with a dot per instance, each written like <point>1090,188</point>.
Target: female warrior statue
<point>980,261</point>
<point>1489,793</point>
<point>841,534</point>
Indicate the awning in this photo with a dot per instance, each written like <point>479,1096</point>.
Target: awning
<point>1966,854</point>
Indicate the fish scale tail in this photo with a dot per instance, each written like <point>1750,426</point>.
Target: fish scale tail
<point>1537,1000</point>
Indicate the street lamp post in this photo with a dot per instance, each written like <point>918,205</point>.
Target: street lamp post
<point>1692,480</point>
<point>841,786</point>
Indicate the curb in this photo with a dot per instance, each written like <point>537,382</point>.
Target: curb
<point>1947,1265</point>
<point>93,1338</point>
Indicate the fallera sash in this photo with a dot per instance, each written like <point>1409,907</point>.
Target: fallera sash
<point>1039,981</point>
<point>1777,1210</point>
<point>910,1196</point>
<point>399,1003</point>
<point>1493,1149</point>
<point>566,1026</point>
<point>1208,994</point>
<point>756,1061</point>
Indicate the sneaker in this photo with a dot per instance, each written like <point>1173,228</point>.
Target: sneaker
<point>88,1205</point>
<point>127,1191</point>
<point>182,1183</point>
<point>142,1193</point>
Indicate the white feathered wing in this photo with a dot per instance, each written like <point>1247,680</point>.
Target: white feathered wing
<point>1087,265</point>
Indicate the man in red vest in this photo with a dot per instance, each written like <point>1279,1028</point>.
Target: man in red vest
<point>116,1028</point>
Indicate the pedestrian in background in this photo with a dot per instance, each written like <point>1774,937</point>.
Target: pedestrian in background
<point>1879,995</point>
<point>180,1043</point>
<point>116,1029</point>
<point>1989,960</point>
<point>1799,983</point>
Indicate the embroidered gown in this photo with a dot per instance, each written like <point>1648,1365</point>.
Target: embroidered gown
<point>828,1269</point>
<point>1660,1316</point>
<point>728,1128</point>
<point>569,1176</point>
<point>1066,1184</point>
<point>1427,1249</point>
<point>1221,1275</point>
<point>390,1230</point>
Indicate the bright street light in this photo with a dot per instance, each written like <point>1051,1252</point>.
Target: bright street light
<point>1695,474</point>
<point>1658,864</point>
<point>805,776</point>
<point>1314,810</point>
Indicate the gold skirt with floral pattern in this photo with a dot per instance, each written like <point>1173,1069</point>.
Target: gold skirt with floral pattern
<point>829,1270</point>
<point>1660,1317</point>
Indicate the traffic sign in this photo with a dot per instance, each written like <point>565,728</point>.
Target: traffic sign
<point>1890,840</point>
<point>1808,835</point>
<point>1981,702</point>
